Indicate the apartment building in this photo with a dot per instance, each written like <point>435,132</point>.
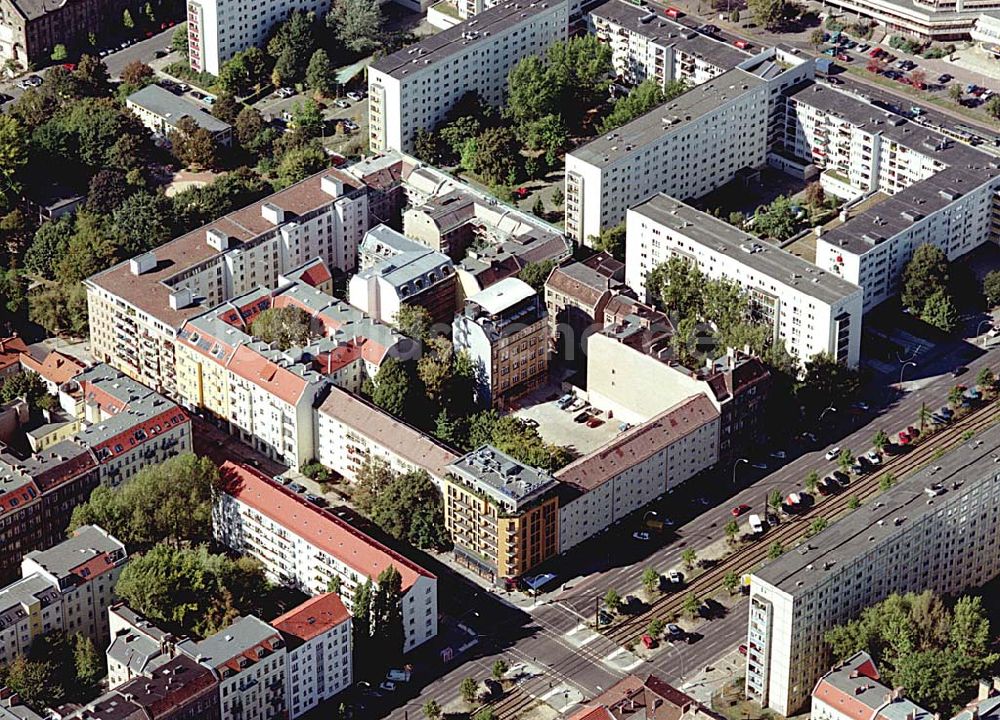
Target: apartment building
<point>137,308</point>
<point>911,186</point>
<point>12,349</point>
<point>317,637</point>
<point>647,45</point>
<point>576,295</point>
<point>30,30</point>
<point>11,707</point>
<point>503,516</point>
<point>504,329</point>
<point>935,530</point>
<point>408,273</point>
<point>652,699</point>
<point>635,468</point>
<point>414,88</point>
<point>137,646</point>
<point>852,691</point>
<point>67,588</point>
<point>37,497</point>
<point>125,425</point>
<point>250,660</point>
<point>55,368</point>
<point>351,431</point>
<point>684,148</point>
<point>161,111</point>
<point>809,309</point>
<point>305,547</point>
<point>922,19</point>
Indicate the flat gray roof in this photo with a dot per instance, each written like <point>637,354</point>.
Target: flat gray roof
<point>501,476</point>
<point>669,33</point>
<point>974,463</point>
<point>86,544</point>
<point>721,237</point>
<point>172,108</point>
<point>660,121</point>
<point>967,168</point>
<point>495,21</point>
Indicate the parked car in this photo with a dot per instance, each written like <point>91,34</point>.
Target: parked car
<point>675,631</point>
<point>281,479</point>
<point>873,457</point>
<point>342,103</point>
<point>675,577</point>
<point>860,405</point>
<point>960,370</point>
<point>824,487</point>
<point>756,525</point>
<point>944,78</point>
<point>842,478</point>
<point>739,510</point>
<point>832,453</point>
<point>648,642</point>
<point>604,617</point>
<point>387,685</point>
<point>743,649</point>
<point>398,675</point>
<point>356,96</point>
<point>295,487</point>
<point>640,535</point>
<point>779,454</point>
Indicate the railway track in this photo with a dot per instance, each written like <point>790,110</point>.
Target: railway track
<point>790,531</point>
<point>511,705</point>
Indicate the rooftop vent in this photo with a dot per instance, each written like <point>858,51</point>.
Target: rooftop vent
<point>332,186</point>
<point>142,263</point>
<point>272,213</point>
<point>181,298</point>
<point>216,239</point>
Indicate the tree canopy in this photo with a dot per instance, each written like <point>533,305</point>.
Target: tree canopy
<point>640,100</point>
<point>356,23</point>
<point>408,506</point>
<point>285,326</point>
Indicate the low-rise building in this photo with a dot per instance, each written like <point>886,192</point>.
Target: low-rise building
<point>504,330</point>
<point>414,88</point>
<point>810,310</point>
<point>646,45</point>
<point>635,468</point>
<point>935,530</point>
<point>408,273</point>
<point>317,637</point>
<point>503,516</point>
<point>351,431</point>
<point>12,349</point>
<point>852,691</point>
<point>55,368</point>
<point>650,699</point>
<point>67,588</point>
<point>161,111</point>
<point>305,547</point>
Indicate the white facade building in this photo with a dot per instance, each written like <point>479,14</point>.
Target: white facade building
<point>136,308</point>
<point>648,45</point>
<point>414,88</point>
<point>936,530</point>
<point>67,588</point>
<point>637,467</point>
<point>350,432</point>
<point>302,546</point>
<point>811,311</point>
<point>319,664</point>
<point>920,187</point>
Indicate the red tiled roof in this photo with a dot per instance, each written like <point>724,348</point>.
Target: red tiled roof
<point>364,554</point>
<point>592,712</point>
<point>97,565</point>
<point>152,427</point>
<point>20,498</point>
<point>333,360</point>
<point>56,367</point>
<point>69,469</point>
<point>11,351</point>
<point>316,275</point>
<point>314,617</point>
<point>251,365</point>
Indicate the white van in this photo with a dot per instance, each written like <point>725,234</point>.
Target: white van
<point>756,525</point>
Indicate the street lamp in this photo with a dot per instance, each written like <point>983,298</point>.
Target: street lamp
<point>831,408</point>
<point>902,369</point>
<point>979,327</point>
<point>736,464</point>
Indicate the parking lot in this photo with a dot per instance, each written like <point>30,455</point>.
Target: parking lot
<point>579,426</point>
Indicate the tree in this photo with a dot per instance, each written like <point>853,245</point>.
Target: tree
<point>291,46</point>
<point>817,526</point>
<point>137,74</point>
<point>690,605</point>
<point>92,74</point>
<point>284,326</point>
<point>612,600</point>
<point>361,610</point>
<point>986,380</point>
<point>391,387</point>
<point>226,108</point>
<point>387,616</point>
<point>853,502</point>
<point>127,21</point>
<point>776,220</point>
<point>939,311</point>
<point>676,286</point>
<point>493,156</point>
<point>244,72</point>
<point>775,550</point>
<point>731,581</point>
<point>925,274</point>
<point>640,100</point>
<point>880,441</point>
<point>956,396</point>
<point>486,713</point>
<point>90,667</point>
<point>27,385</point>
<point>190,588</point>
<point>308,120</point>
<point>924,416</point>
<point>817,38</point>
<point>775,498</point>
<point>656,627</point>
<point>169,502</point>
<point>886,482</point>
<point>13,157</point>
<point>826,383</point>
<point>955,92</point>
<point>179,40</point>
<point>611,241</point>
<point>320,75</point>
<point>407,506</point>
<point>558,198</point>
<point>768,13</point>
<point>299,163</point>
<point>688,557</point>
<point>469,690</point>
<point>426,146</point>
<point>845,459</point>
<point>650,580</point>
<point>192,145</point>
<point>815,195</point>
<point>812,480</point>
<point>59,53</point>
<point>732,530</point>
<point>499,669</point>
<point>536,273</point>
<point>356,23</point>
<point>991,287</point>
<point>141,222</point>
<point>432,711</point>
<point>34,681</point>
<point>414,321</point>
<point>248,127</point>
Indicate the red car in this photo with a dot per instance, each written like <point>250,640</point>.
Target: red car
<point>521,193</point>
<point>739,510</point>
<point>843,57</point>
<point>904,437</point>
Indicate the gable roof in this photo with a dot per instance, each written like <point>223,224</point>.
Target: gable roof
<point>311,619</point>
<point>57,367</point>
<point>367,556</point>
